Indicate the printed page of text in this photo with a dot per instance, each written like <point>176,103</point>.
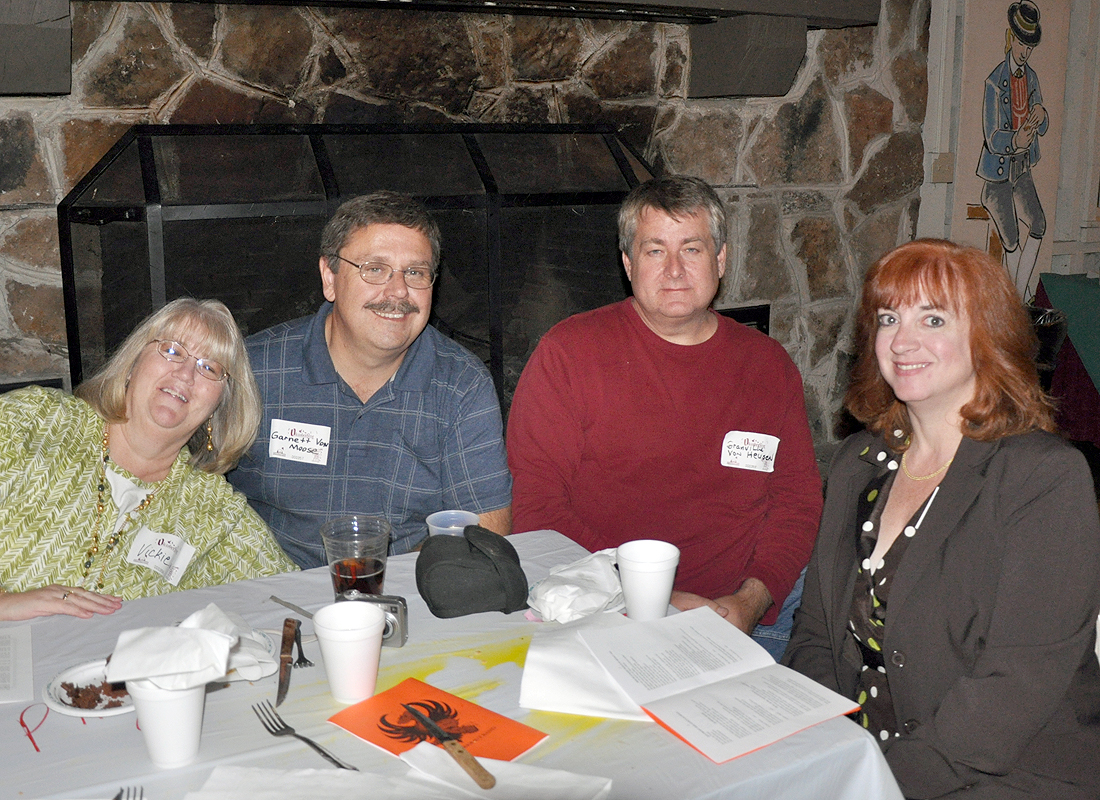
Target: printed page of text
<point>738,715</point>
<point>16,672</point>
<point>651,660</point>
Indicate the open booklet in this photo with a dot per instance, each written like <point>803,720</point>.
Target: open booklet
<point>708,683</point>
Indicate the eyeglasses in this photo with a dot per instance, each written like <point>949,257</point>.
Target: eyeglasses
<point>177,354</point>
<point>379,273</point>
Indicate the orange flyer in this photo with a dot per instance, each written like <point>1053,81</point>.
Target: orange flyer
<point>383,720</point>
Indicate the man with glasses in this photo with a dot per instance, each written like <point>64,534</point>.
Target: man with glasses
<point>367,408</point>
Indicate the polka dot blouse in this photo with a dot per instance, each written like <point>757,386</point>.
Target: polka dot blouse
<point>870,602</point>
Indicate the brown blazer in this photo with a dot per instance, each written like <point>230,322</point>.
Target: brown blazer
<point>991,627</point>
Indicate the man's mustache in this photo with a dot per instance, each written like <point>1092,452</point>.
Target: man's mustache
<point>391,307</point>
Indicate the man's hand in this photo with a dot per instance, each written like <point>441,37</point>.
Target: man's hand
<point>54,599</point>
<point>685,601</point>
<point>747,605</point>
<point>743,608</point>
<point>499,521</point>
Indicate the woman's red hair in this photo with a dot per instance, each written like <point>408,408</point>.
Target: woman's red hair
<point>1007,397</point>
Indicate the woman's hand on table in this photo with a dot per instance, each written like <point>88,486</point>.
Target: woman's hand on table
<point>55,599</point>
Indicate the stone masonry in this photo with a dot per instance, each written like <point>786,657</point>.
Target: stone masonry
<point>818,183</point>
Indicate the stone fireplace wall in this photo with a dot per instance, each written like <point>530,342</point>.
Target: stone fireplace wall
<point>819,182</point>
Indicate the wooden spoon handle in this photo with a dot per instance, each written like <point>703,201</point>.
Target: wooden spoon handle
<point>472,766</point>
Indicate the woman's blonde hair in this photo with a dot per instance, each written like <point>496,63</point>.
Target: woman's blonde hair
<point>209,327</point>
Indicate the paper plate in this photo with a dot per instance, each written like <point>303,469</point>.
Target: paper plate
<point>268,644</point>
<point>81,675</point>
<point>95,672</point>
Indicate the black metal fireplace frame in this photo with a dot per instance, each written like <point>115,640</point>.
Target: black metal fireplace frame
<point>154,214</point>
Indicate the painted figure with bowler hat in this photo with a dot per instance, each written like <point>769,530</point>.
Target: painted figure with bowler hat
<point>1013,119</point>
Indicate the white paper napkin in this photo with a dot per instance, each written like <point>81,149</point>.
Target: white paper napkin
<point>250,658</point>
<point>577,590</point>
<point>172,658</point>
<point>561,674</point>
<point>255,783</point>
<point>434,776</point>
<point>433,766</point>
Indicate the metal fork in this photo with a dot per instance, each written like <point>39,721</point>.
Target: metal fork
<point>276,727</point>
<point>302,660</point>
<point>130,793</point>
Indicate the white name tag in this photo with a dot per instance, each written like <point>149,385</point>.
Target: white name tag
<point>164,553</point>
<point>297,441</point>
<point>755,451</point>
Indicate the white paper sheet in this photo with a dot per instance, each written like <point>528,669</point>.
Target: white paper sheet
<point>651,660</point>
<point>16,665</point>
<point>514,781</point>
<point>434,776</point>
<point>235,783</point>
<point>561,674</point>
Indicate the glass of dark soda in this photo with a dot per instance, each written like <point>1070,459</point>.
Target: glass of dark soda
<point>356,549</point>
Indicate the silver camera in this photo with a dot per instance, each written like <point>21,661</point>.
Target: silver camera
<point>396,632</point>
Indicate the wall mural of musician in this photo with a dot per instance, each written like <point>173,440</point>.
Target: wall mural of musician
<point>1012,122</point>
<point>1013,119</point>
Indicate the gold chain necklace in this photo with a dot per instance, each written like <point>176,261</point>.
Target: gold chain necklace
<point>101,511</point>
<point>927,477</point>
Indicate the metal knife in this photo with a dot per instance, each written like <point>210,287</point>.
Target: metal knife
<point>453,746</point>
<point>290,626</point>
<point>292,607</point>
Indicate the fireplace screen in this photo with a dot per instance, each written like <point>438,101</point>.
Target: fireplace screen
<point>528,216</point>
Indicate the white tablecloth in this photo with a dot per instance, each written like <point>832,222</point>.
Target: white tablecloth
<point>479,657</point>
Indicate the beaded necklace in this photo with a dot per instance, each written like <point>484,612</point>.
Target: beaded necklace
<point>101,511</point>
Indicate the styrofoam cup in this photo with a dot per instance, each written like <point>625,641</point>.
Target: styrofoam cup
<point>450,522</point>
<point>647,568</point>
<point>350,635</point>
<point>170,721</point>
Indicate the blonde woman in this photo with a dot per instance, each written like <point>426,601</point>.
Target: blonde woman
<point>118,492</point>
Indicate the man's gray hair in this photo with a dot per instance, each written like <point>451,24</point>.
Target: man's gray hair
<point>677,196</point>
<point>377,208</point>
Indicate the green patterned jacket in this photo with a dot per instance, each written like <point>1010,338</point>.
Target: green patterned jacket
<point>49,463</point>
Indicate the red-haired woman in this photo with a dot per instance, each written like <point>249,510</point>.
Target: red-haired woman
<point>955,585</point>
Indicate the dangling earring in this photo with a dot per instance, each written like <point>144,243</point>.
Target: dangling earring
<point>209,437</point>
